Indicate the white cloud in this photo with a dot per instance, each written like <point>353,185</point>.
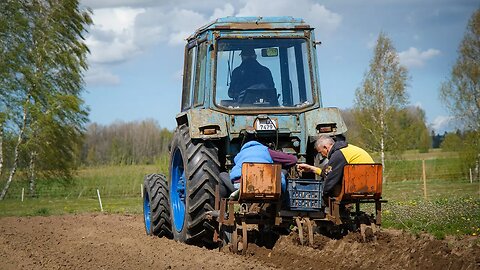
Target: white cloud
<point>111,39</point>
<point>443,123</point>
<point>415,58</point>
<point>228,10</point>
<point>162,25</point>
<point>182,23</point>
<point>124,29</point>
<point>121,33</point>
<point>98,4</point>
<point>204,5</point>
<point>100,76</point>
<point>324,20</point>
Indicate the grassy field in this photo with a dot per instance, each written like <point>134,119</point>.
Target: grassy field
<point>111,181</point>
<point>452,206</point>
<point>119,188</point>
<point>59,206</point>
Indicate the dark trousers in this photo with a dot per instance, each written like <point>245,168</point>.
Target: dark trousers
<point>226,185</point>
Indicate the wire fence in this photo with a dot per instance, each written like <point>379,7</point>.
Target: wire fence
<point>431,169</point>
<point>76,191</point>
<point>127,181</point>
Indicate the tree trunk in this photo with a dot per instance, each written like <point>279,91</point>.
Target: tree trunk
<point>382,146</point>
<point>477,167</point>
<point>382,154</point>
<point>33,158</point>
<point>17,150</point>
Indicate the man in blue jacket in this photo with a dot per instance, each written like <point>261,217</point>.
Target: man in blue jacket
<point>252,151</point>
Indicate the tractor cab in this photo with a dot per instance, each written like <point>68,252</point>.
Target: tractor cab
<point>255,73</point>
<point>251,64</point>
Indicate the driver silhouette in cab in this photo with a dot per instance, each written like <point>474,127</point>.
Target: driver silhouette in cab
<point>249,74</point>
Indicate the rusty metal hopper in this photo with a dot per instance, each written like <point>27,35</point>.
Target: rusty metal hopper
<point>260,181</point>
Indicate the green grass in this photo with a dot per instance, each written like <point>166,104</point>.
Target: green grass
<point>451,207</point>
<point>408,165</point>
<point>443,169</point>
<point>58,206</point>
<point>431,154</point>
<point>436,189</point>
<point>119,187</point>
<point>441,217</point>
<point>111,181</point>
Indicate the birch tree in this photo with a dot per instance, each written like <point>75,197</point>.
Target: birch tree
<point>13,44</point>
<point>461,93</point>
<point>49,78</point>
<point>383,92</point>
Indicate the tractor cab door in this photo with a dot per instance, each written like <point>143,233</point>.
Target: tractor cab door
<point>194,75</point>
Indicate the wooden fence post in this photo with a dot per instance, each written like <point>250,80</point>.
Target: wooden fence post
<point>471,178</point>
<point>99,200</point>
<point>424,174</point>
<point>23,193</point>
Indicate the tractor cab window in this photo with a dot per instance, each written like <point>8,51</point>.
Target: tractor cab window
<point>199,89</point>
<point>188,77</point>
<point>263,72</point>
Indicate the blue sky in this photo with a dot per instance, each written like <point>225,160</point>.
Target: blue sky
<point>137,49</point>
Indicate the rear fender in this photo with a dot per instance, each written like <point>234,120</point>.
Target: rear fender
<point>204,123</point>
<point>324,121</point>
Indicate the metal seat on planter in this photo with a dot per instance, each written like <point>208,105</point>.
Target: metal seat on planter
<point>362,183</point>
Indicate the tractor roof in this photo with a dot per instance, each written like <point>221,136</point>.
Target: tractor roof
<point>253,23</point>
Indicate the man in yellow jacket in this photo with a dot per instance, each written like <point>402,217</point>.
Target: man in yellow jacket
<point>339,154</point>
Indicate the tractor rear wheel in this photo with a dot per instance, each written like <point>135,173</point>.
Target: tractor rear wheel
<point>194,172</point>
<point>156,209</point>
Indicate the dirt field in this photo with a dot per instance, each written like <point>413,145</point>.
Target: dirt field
<point>119,242</point>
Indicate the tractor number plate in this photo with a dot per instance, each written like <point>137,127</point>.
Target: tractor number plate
<point>265,124</point>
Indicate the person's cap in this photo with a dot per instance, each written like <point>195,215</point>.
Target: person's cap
<point>248,52</point>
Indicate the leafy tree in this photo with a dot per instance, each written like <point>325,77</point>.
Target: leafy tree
<point>462,143</point>
<point>409,125</point>
<point>13,29</point>
<point>353,133</point>
<point>381,95</point>
<point>411,129</point>
<point>451,142</point>
<point>46,82</point>
<point>461,93</point>
<point>53,139</point>
<point>125,143</point>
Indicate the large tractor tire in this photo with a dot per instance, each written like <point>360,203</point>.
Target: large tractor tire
<point>194,172</point>
<point>156,209</point>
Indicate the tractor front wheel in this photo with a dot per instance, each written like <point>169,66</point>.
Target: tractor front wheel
<point>156,208</point>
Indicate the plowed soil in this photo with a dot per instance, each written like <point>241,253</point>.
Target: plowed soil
<point>119,242</point>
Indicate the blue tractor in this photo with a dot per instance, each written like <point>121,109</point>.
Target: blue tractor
<point>219,110</point>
